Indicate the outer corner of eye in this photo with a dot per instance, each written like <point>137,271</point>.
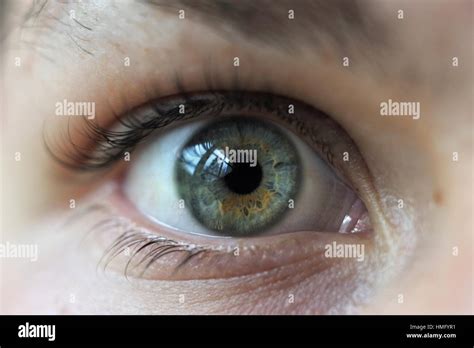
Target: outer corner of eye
<point>245,175</point>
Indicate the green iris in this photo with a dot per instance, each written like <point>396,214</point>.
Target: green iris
<point>237,175</point>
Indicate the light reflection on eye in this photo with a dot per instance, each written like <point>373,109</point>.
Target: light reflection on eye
<point>244,181</point>
<point>189,179</point>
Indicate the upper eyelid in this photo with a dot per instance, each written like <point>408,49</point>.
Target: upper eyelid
<point>106,145</point>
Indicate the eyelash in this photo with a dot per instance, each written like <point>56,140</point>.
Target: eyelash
<point>153,247</point>
<point>137,243</point>
<point>107,146</point>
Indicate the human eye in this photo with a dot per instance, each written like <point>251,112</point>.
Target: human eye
<point>215,174</point>
<point>239,176</point>
<point>234,156</point>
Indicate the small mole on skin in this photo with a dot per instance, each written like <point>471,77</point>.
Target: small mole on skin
<point>438,197</point>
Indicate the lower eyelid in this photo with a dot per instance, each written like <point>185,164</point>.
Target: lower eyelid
<point>233,260</point>
<point>220,257</point>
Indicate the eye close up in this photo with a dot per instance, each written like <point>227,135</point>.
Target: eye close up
<point>242,175</point>
<point>209,172</point>
<point>289,157</point>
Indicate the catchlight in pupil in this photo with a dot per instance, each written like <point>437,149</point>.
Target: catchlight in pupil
<point>237,175</point>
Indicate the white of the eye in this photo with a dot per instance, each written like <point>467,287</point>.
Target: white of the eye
<point>150,185</point>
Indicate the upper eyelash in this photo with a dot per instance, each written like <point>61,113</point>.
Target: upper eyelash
<point>108,146</point>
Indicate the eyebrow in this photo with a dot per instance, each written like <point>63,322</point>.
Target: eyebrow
<point>343,23</point>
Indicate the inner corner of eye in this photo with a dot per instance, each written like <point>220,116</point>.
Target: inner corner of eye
<point>241,176</point>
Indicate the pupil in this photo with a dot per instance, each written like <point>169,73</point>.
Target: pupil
<point>243,178</point>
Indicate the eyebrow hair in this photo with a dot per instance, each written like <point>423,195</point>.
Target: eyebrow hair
<point>345,24</point>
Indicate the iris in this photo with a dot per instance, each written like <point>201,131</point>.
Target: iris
<point>238,195</point>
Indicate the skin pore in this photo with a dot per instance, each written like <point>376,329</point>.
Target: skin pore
<point>412,251</point>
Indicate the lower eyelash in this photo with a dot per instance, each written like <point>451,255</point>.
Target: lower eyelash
<point>144,248</point>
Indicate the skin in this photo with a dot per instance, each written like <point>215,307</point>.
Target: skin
<point>412,252</point>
